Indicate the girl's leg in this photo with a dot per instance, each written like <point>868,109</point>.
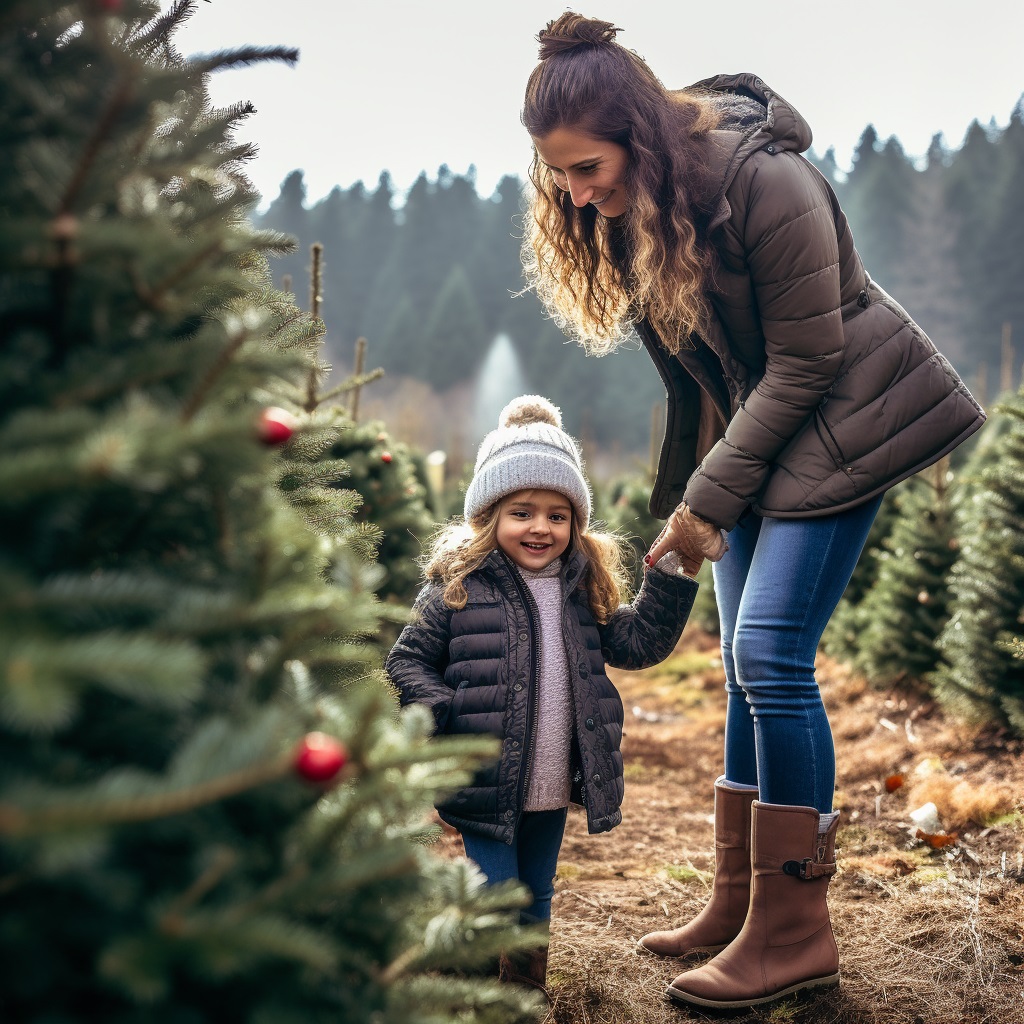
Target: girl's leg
<point>531,859</point>
<point>799,571</point>
<point>539,840</point>
<point>497,860</point>
<point>730,577</point>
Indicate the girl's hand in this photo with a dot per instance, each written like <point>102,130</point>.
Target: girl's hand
<point>691,537</point>
<point>448,830</point>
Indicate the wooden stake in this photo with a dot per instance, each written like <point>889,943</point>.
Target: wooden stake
<point>981,385</point>
<point>358,371</point>
<point>315,288</point>
<point>316,279</point>
<point>1006,367</point>
<point>939,481</point>
<point>656,439</point>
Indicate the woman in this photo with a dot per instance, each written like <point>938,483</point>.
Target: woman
<point>798,392</point>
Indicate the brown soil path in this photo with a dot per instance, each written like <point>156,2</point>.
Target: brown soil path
<point>925,935</point>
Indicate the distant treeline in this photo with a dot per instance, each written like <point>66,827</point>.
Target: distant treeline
<point>431,281</point>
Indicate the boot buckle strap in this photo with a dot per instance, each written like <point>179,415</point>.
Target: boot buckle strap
<point>808,868</point>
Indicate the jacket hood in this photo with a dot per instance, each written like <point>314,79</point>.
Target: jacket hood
<point>782,128</point>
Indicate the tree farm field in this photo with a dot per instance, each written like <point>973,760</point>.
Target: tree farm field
<point>925,934</point>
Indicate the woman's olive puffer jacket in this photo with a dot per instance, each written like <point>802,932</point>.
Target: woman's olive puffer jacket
<point>475,669</point>
<point>830,391</point>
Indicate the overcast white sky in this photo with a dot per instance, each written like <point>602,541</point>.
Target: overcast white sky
<point>407,86</point>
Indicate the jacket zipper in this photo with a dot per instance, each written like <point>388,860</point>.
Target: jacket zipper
<point>820,418</point>
<point>531,698</point>
<point>574,737</point>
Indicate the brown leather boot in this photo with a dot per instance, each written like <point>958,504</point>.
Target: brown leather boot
<point>526,967</point>
<point>786,943</point>
<point>722,917</point>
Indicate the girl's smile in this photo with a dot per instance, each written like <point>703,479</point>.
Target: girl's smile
<point>534,527</point>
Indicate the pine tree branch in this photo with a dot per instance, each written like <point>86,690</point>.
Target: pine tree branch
<point>295,317</point>
<point>225,534</point>
<point>154,297</point>
<point>118,101</point>
<point>222,362</point>
<point>15,821</point>
<point>351,385</point>
<point>399,967</point>
<point>61,275</point>
<point>223,861</point>
<point>158,32</point>
<point>204,64</point>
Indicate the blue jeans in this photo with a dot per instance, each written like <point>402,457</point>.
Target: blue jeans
<point>776,589</point>
<point>532,858</point>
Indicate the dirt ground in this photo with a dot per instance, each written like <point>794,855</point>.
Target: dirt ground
<point>925,935</point>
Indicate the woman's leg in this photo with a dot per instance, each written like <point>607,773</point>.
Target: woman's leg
<point>721,918</point>
<point>798,573</point>
<point>730,575</point>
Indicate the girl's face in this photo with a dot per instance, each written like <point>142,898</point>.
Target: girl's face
<point>534,527</point>
<point>590,170</point>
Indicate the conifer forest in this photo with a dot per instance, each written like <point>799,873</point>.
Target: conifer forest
<point>427,275</point>
<point>230,425</point>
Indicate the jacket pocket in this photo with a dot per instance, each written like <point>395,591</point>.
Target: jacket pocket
<point>828,439</point>
<point>457,701</point>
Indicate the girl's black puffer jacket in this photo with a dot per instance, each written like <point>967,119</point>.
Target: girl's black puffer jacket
<point>475,669</point>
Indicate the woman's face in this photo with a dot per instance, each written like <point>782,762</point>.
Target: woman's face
<point>590,170</point>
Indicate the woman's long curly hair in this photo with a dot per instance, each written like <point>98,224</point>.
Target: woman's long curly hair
<point>459,548</point>
<point>589,83</point>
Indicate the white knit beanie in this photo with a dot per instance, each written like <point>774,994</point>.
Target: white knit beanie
<point>528,450</point>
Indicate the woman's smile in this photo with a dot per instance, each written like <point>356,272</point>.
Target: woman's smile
<point>591,170</point>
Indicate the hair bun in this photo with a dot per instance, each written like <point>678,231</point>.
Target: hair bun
<point>571,31</point>
<point>530,409</point>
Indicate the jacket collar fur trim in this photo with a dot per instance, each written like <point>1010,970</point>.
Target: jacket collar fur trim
<point>783,129</point>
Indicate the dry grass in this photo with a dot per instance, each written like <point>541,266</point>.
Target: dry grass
<point>924,935</point>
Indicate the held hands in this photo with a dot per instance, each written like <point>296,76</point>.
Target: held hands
<point>693,539</point>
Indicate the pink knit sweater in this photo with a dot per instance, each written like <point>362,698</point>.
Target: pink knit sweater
<point>549,784</point>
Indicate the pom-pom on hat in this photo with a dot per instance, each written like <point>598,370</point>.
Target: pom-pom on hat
<point>528,450</point>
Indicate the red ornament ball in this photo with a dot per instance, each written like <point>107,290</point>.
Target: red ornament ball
<point>110,6</point>
<point>385,457</point>
<point>275,426</point>
<point>319,757</point>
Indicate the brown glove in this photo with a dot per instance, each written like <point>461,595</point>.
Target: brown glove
<point>691,537</point>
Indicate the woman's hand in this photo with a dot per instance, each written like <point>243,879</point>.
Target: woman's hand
<point>691,537</point>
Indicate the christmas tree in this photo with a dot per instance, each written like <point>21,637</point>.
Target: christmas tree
<point>981,679</point>
<point>907,606</point>
<point>386,474</point>
<point>210,809</point>
<point>842,636</point>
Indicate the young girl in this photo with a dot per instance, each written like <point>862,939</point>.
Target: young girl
<point>513,628</point>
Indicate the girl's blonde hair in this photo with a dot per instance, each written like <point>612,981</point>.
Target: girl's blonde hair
<point>459,548</point>
<point>593,283</point>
